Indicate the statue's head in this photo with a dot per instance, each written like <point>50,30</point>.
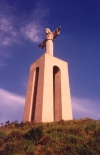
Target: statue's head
<point>47,30</point>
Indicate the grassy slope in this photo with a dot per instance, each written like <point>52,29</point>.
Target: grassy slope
<point>77,137</point>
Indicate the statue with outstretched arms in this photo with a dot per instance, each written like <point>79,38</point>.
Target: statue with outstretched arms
<point>48,41</point>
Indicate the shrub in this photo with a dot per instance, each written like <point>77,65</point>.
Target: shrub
<point>76,137</point>
<point>2,134</point>
<point>34,134</point>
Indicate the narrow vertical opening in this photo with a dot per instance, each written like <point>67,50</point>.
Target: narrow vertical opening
<point>57,93</point>
<point>35,93</point>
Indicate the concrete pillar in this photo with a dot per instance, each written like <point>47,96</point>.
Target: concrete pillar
<point>48,93</point>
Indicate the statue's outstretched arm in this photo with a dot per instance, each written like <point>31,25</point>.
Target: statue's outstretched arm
<point>43,44</point>
<point>56,32</point>
<point>59,28</point>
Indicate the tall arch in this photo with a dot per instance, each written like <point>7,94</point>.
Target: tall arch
<point>35,94</point>
<point>57,93</point>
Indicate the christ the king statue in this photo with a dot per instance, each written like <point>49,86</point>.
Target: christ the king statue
<point>48,41</point>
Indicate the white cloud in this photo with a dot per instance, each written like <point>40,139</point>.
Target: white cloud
<point>34,28</point>
<point>32,32</point>
<point>6,41</point>
<point>5,25</point>
<point>14,28</point>
<point>85,108</point>
<point>11,106</point>
<point>8,32</point>
<point>10,97</point>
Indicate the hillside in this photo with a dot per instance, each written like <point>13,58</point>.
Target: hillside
<point>77,137</point>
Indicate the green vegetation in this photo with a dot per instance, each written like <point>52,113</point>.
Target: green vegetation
<point>76,137</point>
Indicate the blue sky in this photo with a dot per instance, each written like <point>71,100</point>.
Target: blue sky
<point>22,25</point>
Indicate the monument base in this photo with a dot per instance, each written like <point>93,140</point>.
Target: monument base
<point>48,93</point>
